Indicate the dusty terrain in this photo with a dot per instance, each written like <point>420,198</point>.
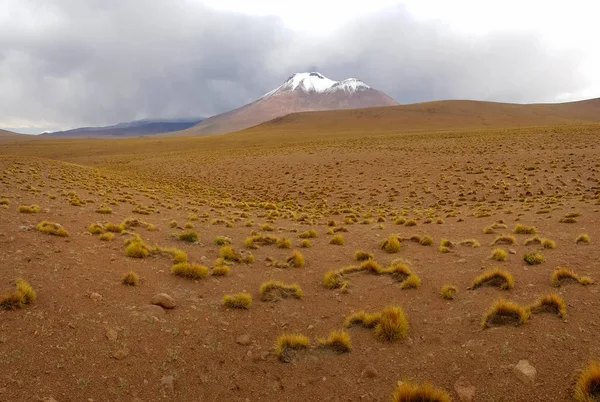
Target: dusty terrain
<point>88,337</point>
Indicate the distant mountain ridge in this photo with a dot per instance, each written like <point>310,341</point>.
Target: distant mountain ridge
<point>129,129</point>
<point>302,92</point>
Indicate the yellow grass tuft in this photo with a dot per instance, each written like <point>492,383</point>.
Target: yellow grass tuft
<point>448,292</point>
<point>275,290</point>
<point>287,343</point>
<point>563,274</point>
<point>188,236</point>
<point>337,240</point>
<point>284,243</point>
<point>363,319</point>
<point>22,294</point>
<point>333,280</point>
<point>221,240</point>
<point>411,282</point>
<point>499,254</point>
<point>391,244</point>
<point>533,258</point>
<point>220,270</point>
<point>360,255</point>
<point>238,300</point>
<point>309,234</point>
<point>504,239</point>
<point>130,279</point>
<point>107,236</point>
<point>582,238</point>
<point>587,387</point>
<point>494,277</point>
<point>296,259</point>
<point>95,228</point>
<point>305,243</point>
<point>28,295</point>
<point>190,271</point>
<point>502,312</point>
<point>407,392</point>
<point>371,267</point>
<point>392,324</point>
<point>552,303</point>
<point>521,229</point>
<point>426,241</point>
<point>51,228</point>
<point>103,209</point>
<point>228,254</point>
<point>470,243</point>
<point>114,228</point>
<point>337,341</point>
<point>136,248</point>
<point>29,209</point>
<point>548,244</point>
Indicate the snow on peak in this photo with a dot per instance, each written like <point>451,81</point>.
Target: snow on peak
<point>316,82</point>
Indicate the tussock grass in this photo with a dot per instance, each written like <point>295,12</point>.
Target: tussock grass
<point>337,240</point>
<point>95,228</point>
<point>220,270</point>
<point>275,290</point>
<point>296,259</point>
<point>136,248</point>
<point>392,324</point>
<point>362,319</point>
<point>470,243</point>
<point>587,387</point>
<point>391,244</point>
<point>504,312</point>
<point>309,234</point>
<point>253,242</point>
<point>227,253</point>
<point>370,267</point>
<point>103,209</point>
<point>287,343</point>
<point>448,292</point>
<point>337,341</point>
<point>360,255</point>
<point>548,244</point>
<point>582,238</point>
<point>190,271</point>
<point>5,202</point>
<point>107,236</point>
<point>28,294</point>
<point>51,228</point>
<point>568,219</point>
<point>221,240</point>
<point>398,271</point>
<point>408,392</point>
<point>411,282</point>
<point>499,254</point>
<point>29,209</point>
<point>446,246</point>
<point>550,303</point>
<point>426,241</point>
<point>494,277</point>
<point>305,243</point>
<point>23,293</point>
<point>238,300</point>
<point>532,240</point>
<point>410,222</point>
<point>533,258</point>
<point>247,259</point>
<point>521,229</point>
<point>130,279</point>
<point>188,236</point>
<point>284,243</point>
<point>504,239</point>
<point>114,228</point>
<point>562,274</point>
<point>333,280</point>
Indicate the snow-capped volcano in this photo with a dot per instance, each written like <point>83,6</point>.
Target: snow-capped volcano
<point>316,82</point>
<point>302,92</point>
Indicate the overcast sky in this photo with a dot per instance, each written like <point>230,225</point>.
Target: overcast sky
<point>71,63</point>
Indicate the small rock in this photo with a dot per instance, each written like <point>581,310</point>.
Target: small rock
<point>187,332</point>
<point>168,382</point>
<point>461,261</point>
<point>203,258</point>
<point>163,300</point>
<point>310,327</point>
<point>369,372</point>
<point>525,371</point>
<point>512,251</point>
<point>152,311</point>
<point>464,389</point>
<point>243,340</point>
<point>96,296</point>
<point>121,354</point>
<point>111,334</point>
<point>24,228</point>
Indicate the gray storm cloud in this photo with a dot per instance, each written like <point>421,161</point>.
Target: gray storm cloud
<point>97,62</point>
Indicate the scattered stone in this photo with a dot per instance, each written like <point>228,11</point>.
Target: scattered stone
<point>464,389</point>
<point>243,340</point>
<point>163,300</point>
<point>111,334</point>
<point>512,251</point>
<point>153,311</point>
<point>525,371</point>
<point>96,296</point>
<point>369,372</point>
<point>168,382</point>
<point>24,228</point>
<point>461,261</point>
<point>203,258</point>
<point>121,354</point>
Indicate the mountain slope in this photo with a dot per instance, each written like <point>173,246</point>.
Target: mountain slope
<point>301,92</point>
<point>427,116</point>
<point>129,129</point>
<point>6,133</point>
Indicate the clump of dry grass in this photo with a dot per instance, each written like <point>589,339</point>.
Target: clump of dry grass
<point>188,236</point>
<point>504,239</point>
<point>533,258</point>
<point>470,243</point>
<point>551,303</point>
<point>408,392</point>
<point>333,280</point>
<point>548,244</point>
<point>337,240</point>
<point>532,240</point>
<point>227,253</point>
<point>309,234</point>
<point>587,387</point>
<point>494,277</point>
<point>23,293</point>
<point>221,240</point>
<point>136,248</point>
<point>305,243</point>
<point>446,246</point>
<point>287,343</point>
<point>107,236</point>
<point>247,259</point>
<point>190,271</point>
<point>448,292</point>
<point>51,228</point>
<point>360,255</point>
<point>238,300</point>
<point>275,290</point>
<point>363,319</point>
<point>29,209</point>
<point>253,242</point>
<point>114,228</point>
<point>103,209</point>
<point>337,341</point>
<point>95,228</point>
<point>521,229</point>
<point>284,243</point>
<point>391,244</point>
<point>499,254</point>
<point>426,241</point>
<point>582,238</point>
<point>563,274</point>
<point>5,202</point>
<point>503,312</point>
<point>130,279</point>
<point>296,259</point>
<point>370,267</point>
<point>392,324</point>
<point>220,270</point>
